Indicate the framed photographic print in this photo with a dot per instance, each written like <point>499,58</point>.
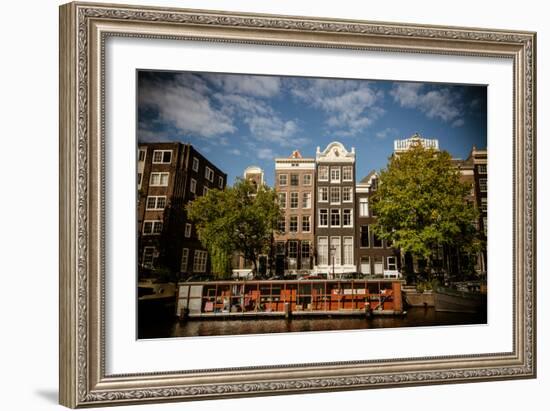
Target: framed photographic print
<point>260,204</point>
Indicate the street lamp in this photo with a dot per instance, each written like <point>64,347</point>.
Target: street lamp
<point>333,253</point>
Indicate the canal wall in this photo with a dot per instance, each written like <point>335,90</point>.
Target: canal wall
<point>413,298</point>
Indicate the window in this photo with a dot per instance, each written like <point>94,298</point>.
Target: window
<point>205,191</point>
<point>482,169</point>
<point>152,227</point>
<point>199,262</point>
<point>306,200</point>
<point>365,265</point>
<point>294,179</point>
<point>306,224</point>
<point>220,182</point>
<point>376,241</point>
<point>141,155</point>
<point>335,195</point>
<point>294,200</point>
<point>323,173</point>
<point>347,217</point>
<point>335,251</point>
<point>162,156</point>
<point>148,257</point>
<point>159,179</point>
<point>392,263</point>
<point>323,194</point>
<point>335,174</point>
<point>156,203</point>
<point>347,173</point>
<point>293,226</point>
<point>209,174</point>
<point>335,217</point>
<point>306,254</point>
<point>280,248</point>
<point>188,227</point>
<point>281,225</point>
<point>485,226</point>
<point>283,179</point>
<point>378,266</point>
<point>363,207</point>
<point>323,217</point>
<point>307,179</point>
<point>346,194</point>
<point>484,204</point>
<point>292,255</point>
<point>139,178</point>
<point>322,252</point>
<point>193,186</point>
<point>184,259</point>
<point>483,185</point>
<point>282,200</point>
<point>365,236</point>
<point>348,250</point>
<point>195,164</point>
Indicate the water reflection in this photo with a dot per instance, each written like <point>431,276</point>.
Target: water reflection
<point>165,326</point>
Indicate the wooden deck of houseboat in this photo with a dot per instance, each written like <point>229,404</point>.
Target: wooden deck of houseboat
<point>284,298</point>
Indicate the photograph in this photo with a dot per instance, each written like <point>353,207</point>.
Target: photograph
<point>272,204</point>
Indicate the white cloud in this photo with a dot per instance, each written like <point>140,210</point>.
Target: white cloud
<point>440,103</point>
<point>235,151</point>
<point>349,104</point>
<point>183,103</point>
<point>265,154</point>
<point>458,123</point>
<point>387,132</point>
<point>258,86</point>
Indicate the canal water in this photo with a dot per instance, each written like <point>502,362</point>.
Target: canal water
<point>163,326</point>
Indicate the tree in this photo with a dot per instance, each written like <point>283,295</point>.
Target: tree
<point>241,218</point>
<point>421,205</point>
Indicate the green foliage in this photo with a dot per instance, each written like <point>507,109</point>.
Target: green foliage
<point>421,204</point>
<point>241,218</point>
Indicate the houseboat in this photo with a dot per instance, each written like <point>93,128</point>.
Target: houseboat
<point>285,298</point>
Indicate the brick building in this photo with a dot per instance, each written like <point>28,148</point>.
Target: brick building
<point>169,176</point>
<point>374,256</point>
<point>295,186</point>
<point>334,208</point>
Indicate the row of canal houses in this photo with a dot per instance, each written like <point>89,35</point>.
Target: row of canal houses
<point>327,218</point>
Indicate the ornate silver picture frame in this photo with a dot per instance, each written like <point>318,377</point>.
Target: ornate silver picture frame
<point>84,30</point>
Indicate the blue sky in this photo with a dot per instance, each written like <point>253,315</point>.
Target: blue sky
<point>237,120</point>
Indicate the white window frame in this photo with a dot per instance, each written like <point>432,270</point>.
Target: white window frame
<point>367,257</point>
<point>188,229</point>
<point>162,157</point>
<point>220,182</point>
<point>338,178</point>
<point>209,174</point>
<point>335,190</point>
<point>160,175</point>
<point>195,165</point>
<point>350,191</point>
<point>144,151</point>
<point>200,258</point>
<point>321,190</point>
<point>308,219</point>
<point>368,236</point>
<point>348,258</point>
<point>310,179</point>
<point>483,205</point>
<point>350,219</point>
<point>350,168</point>
<point>205,190</point>
<point>145,249</point>
<point>156,207</point>
<point>297,179</point>
<point>483,186</point>
<point>193,186</point>
<point>323,251</point>
<point>290,220</point>
<point>321,172</point>
<point>184,260</point>
<point>294,194</point>
<point>281,223</point>
<point>282,194</point>
<point>154,224</point>
<point>339,214</point>
<point>482,168</point>
<point>394,264</point>
<point>328,217</point>
<point>306,200</point>
<point>336,243</point>
<point>363,201</point>
<point>140,179</point>
<point>279,177</point>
